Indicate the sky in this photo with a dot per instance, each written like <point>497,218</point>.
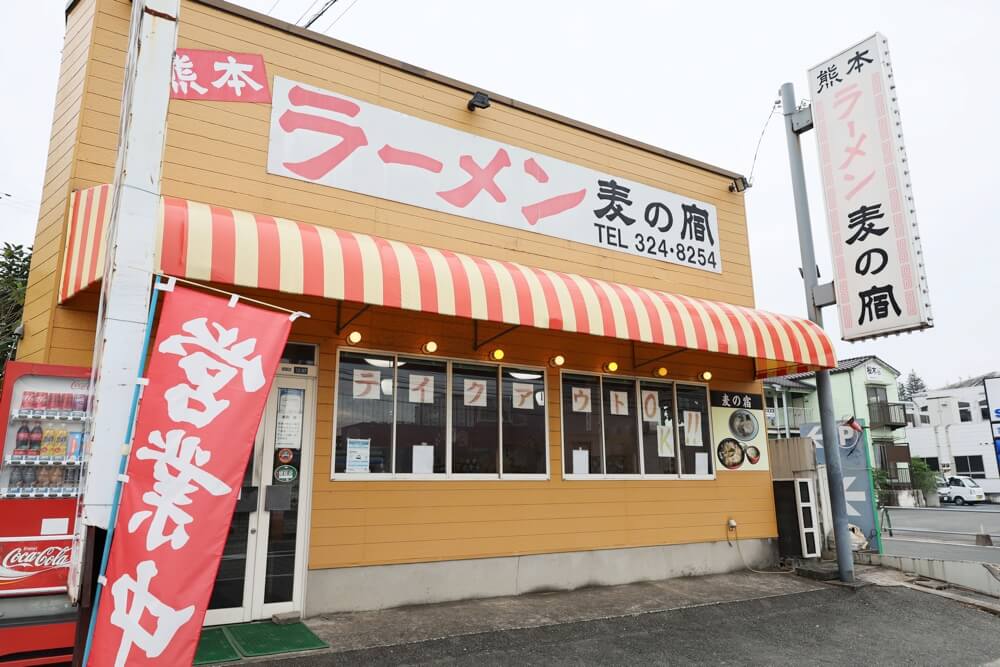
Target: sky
<point>697,79</point>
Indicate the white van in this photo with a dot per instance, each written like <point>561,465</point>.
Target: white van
<point>960,490</point>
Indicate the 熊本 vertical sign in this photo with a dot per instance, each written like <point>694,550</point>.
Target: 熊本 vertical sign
<point>878,266</point>
<point>209,374</point>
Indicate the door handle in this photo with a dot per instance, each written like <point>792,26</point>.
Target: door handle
<point>253,531</point>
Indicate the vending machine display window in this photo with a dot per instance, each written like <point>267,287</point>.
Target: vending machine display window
<point>43,443</point>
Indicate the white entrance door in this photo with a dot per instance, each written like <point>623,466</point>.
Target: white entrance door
<point>263,562</point>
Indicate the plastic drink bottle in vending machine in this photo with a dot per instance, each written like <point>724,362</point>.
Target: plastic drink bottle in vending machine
<point>22,443</point>
<point>35,443</point>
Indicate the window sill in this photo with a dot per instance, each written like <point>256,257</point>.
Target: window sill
<point>436,477</point>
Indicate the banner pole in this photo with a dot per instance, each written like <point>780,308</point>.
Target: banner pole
<point>122,467</point>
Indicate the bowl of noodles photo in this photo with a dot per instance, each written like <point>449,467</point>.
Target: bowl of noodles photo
<point>743,425</point>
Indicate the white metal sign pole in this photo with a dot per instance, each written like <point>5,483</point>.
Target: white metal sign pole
<point>135,210</point>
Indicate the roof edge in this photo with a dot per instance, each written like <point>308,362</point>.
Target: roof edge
<point>272,22</point>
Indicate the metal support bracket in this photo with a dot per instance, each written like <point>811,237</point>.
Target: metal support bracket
<point>802,120</point>
<point>341,325</point>
<point>476,343</point>
<point>824,295</point>
<point>636,364</point>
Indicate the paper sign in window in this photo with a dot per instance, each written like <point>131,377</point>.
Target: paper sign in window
<point>423,459</point>
<point>358,454</point>
<point>692,429</point>
<point>421,388</point>
<point>700,463</point>
<point>288,421</point>
<point>618,401</point>
<point>581,399</point>
<point>581,462</point>
<point>650,406</point>
<point>665,440</point>
<point>522,396</point>
<point>474,393</point>
<point>367,384</point>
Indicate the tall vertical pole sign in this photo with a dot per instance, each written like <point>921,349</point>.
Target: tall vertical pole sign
<point>209,375</point>
<point>878,266</point>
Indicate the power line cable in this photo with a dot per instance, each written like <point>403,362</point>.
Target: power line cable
<point>329,3</point>
<point>760,139</point>
<point>342,15</point>
<point>308,9</point>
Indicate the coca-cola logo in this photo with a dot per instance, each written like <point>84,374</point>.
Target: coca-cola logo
<point>34,558</point>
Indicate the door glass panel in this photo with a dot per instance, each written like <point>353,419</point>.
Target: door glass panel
<point>807,518</point>
<point>230,579</point>
<point>279,575</point>
<point>804,492</point>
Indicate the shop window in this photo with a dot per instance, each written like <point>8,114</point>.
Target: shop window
<point>582,425</point>
<point>523,421</point>
<point>970,466</point>
<point>405,416</point>
<point>621,437</point>
<point>475,433</point>
<point>658,426</point>
<point>364,413</point>
<point>621,427</point>
<point>964,411</point>
<point>422,416</point>
<point>694,436</point>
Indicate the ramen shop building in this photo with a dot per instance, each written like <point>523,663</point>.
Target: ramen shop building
<point>533,359</point>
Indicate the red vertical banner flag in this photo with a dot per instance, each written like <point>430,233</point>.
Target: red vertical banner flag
<point>209,374</point>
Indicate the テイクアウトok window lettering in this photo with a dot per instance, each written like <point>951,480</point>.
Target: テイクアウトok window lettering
<point>416,416</point>
<point>622,427</point>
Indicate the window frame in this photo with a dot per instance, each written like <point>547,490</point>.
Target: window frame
<point>636,387</point>
<point>978,474</point>
<point>448,475</point>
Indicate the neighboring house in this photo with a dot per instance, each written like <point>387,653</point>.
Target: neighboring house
<point>864,388</point>
<point>950,428</point>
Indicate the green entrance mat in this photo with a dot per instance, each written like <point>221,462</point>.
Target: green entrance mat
<point>253,639</point>
<point>214,647</point>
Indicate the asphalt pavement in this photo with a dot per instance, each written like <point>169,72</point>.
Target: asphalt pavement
<point>826,625</point>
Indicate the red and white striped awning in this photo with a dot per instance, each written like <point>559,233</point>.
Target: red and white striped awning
<point>210,243</point>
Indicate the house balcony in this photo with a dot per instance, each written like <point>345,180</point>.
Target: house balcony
<point>796,417</point>
<point>887,415</point>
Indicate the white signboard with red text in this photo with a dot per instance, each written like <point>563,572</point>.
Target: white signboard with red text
<point>328,138</point>
<point>209,375</point>
<point>878,266</point>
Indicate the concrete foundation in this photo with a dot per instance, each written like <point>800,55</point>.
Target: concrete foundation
<point>385,586</point>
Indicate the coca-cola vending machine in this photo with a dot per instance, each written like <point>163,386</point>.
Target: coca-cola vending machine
<point>46,411</point>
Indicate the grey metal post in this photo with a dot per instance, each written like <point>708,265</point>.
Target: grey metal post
<point>784,408</point>
<point>824,394</point>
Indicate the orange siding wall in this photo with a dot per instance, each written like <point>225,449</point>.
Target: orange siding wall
<point>216,153</point>
<point>376,522</point>
<point>81,154</point>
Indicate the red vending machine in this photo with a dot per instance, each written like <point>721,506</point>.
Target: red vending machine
<point>45,408</point>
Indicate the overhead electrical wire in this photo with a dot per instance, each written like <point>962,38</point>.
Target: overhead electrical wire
<point>342,15</point>
<point>305,13</point>
<point>326,6</point>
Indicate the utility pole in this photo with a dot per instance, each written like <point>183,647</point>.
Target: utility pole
<point>797,122</point>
